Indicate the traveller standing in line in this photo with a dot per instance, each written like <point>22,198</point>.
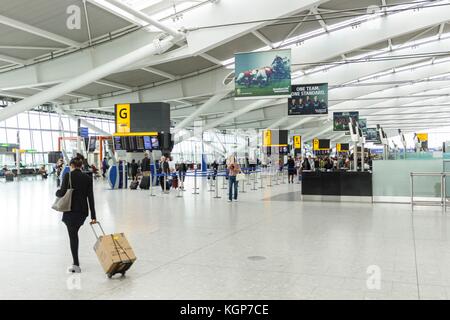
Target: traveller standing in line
<point>105,167</point>
<point>134,169</point>
<point>233,170</point>
<point>82,195</point>
<point>215,167</point>
<point>182,168</point>
<point>291,169</point>
<point>145,166</point>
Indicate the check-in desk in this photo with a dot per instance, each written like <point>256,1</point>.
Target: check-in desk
<point>337,186</point>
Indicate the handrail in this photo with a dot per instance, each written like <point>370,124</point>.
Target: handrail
<point>443,178</point>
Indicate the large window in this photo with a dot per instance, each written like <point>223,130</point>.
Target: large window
<point>40,131</point>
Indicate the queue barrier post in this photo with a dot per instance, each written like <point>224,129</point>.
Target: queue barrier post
<point>249,172</point>
<point>212,181</point>
<point>165,183</point>
<point>224,184</point>
<point>195,182</point>
<point>151,185</point>
<point>243,186</point>
<point>261,178</point>
<point>270,179</point>
<point>216,187</point>
<point>254,181</point>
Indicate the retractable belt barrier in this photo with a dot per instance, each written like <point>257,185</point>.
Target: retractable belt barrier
<point>253,174</point>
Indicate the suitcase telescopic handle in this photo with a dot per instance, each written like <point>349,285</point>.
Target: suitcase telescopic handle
<point>101,228</point>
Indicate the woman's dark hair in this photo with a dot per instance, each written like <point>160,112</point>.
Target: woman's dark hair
<point>76,162</point>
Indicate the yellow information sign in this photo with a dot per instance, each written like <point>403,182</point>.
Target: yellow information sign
<point>123,118</point>
<point>267,138</point>
<point>136,134</point>
<point>422,137</point>
<point>297,142</point>
<point>316,144</point>
<point>340,149</point>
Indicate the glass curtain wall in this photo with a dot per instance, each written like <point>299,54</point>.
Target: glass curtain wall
<point>39,133</point>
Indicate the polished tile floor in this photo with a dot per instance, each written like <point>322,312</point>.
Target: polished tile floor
<point>268,245</point>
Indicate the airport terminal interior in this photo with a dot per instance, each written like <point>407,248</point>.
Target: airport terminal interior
<point>224,149</point>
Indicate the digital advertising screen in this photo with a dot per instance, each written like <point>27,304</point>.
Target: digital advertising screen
<point>341,120</point>
<point>373,135</point>
<point>311,99</point>
<point>262,74</point>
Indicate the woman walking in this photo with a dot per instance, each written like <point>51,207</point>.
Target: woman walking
<point>81,184</point>
<point>233,170</point>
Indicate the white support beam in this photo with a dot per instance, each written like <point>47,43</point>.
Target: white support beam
<point>114,85</point>
<point>441,30</point>
<point>84,122</point>
<point>160,73</point>
<point>147,19</point>
<point>319,18</point>
<point>13,60</point>
<point>72,94</point>
<point>208,104</point>
<point>261,37</point>
<point>278,123</point>
<point>37,31</point>
<point>299,123</point>
<point>210,58</point>
<point>84,79</point>
<point>30,48</point>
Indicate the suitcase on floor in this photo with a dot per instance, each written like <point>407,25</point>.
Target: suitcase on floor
<point>134,184</point>
<point>145,183</point>
<point>175,182</point>
<point>9,177</point>
<point>114,252</point>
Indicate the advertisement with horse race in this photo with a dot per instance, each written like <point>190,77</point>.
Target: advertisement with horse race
<point>263,74</point>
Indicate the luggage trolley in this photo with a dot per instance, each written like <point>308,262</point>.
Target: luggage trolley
<point>118,267</point>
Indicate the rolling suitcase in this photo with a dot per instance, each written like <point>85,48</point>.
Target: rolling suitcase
<point>175,182</point>
<point>114,252</point>
<point>145,183</point>
<point>134,184</point>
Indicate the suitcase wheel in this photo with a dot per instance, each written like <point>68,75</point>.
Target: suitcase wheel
<point>109,275</point>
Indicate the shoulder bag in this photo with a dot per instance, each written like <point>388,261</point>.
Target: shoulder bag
<point>64,204</point>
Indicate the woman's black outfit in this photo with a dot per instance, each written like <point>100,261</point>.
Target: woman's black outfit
<point>134,170</point>
<point>165,170</point>
<point>291,170</point>
<point>82,194</point>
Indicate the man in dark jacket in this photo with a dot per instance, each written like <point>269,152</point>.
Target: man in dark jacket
<point>145,166</point>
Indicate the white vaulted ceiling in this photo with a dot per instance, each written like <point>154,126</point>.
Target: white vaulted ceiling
<point>392,66</point>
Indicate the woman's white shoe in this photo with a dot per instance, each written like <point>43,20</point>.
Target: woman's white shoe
<point>74,269</point>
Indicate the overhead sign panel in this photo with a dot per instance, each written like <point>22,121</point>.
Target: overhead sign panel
<point>310,99</point>
<point>341,120</point>
<point>263,74</point>
<point>142,119</point>
<point>297,142</point>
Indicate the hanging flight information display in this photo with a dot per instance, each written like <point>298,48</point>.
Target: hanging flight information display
<point>136,143</point>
